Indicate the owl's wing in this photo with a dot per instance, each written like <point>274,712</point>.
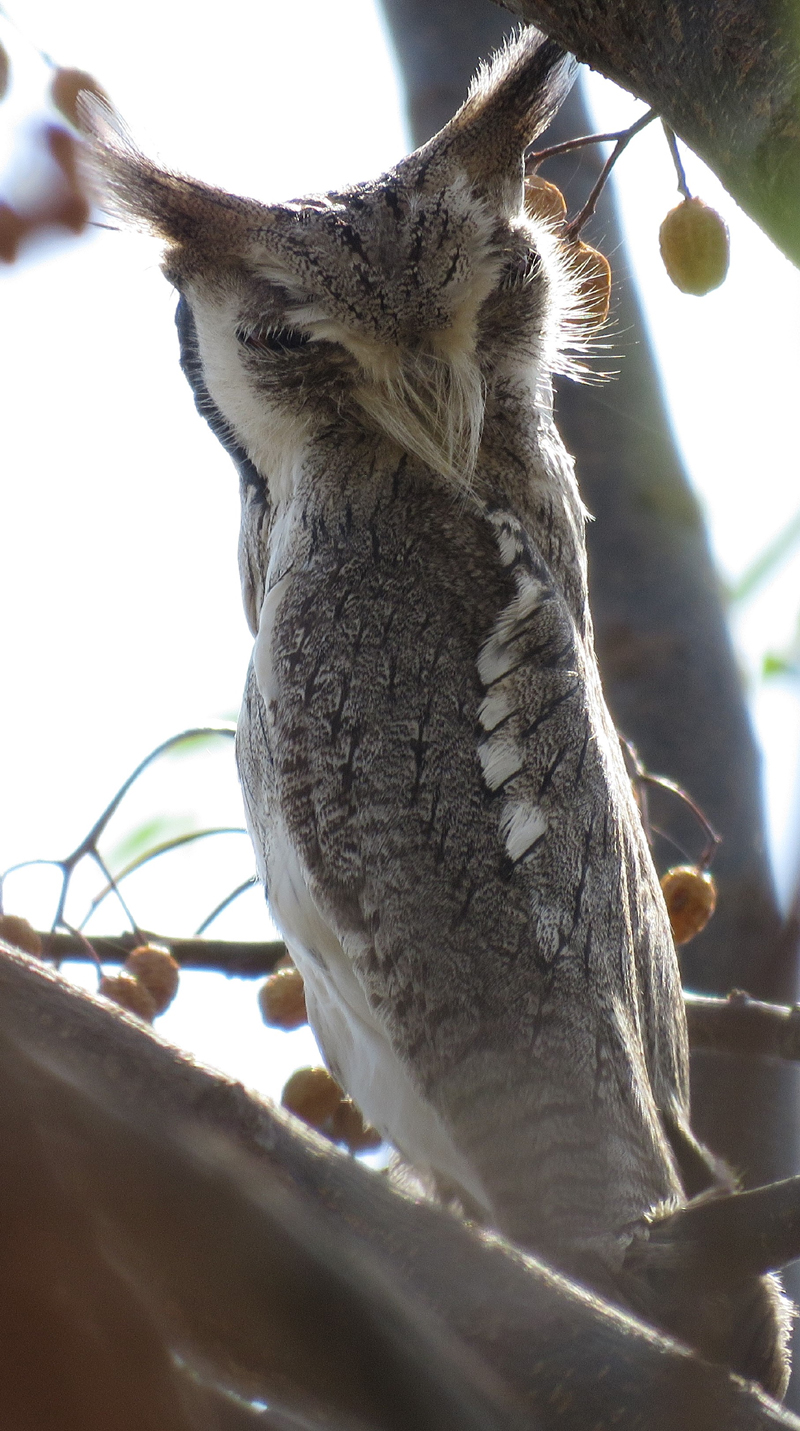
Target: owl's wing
<point>444,795</point>
<point>355,1044</point>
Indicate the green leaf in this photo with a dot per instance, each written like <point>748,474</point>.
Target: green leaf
<point>152,832</point>
<point>776,665</point>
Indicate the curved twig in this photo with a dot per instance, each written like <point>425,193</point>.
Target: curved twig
<point>152,854</point>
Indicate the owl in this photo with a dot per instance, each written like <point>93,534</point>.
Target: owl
<point>435,789</point>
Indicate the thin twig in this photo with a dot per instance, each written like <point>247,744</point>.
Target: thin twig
<point>113,888</point>
<point>642,777</point>
<point>575,225</point>
<point>538,156</point>
<point>89,841</point>
<point>713,840</point>
<point>221,956</point>
<point>224,903</point>
<point>164,848</point>
<point>88,845</point>
<point>676,159</point>
<point>89,951</point>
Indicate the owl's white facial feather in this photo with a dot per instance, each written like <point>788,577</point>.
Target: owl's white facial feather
<point>272,437</point>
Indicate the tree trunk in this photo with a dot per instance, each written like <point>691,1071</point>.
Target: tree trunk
<point>669,671</point>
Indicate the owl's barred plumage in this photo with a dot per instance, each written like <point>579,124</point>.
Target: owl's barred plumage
<point>435,789</point>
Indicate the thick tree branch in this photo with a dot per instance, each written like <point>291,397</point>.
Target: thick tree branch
<point>743,1025</point>
<point>736,1024</point>
<point>724,74</point>
<point>222,956</point>
<point>225,1220</point>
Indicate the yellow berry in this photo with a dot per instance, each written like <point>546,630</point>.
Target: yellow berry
<point>126,991</point>
<point>691,898</point>
<point>21,934</point>
<point>313,1095</point>
<point>348,1127</point>
<point>695,247</point>
<point>154,968</point>
<point>282,1000</point>
<point>65,87</point>
<point>543,200</point>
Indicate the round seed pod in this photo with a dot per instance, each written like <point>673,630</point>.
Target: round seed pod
<point>65,87</point>
<point>593,272</point>
<point>544,200</point>
<point>691,898</point>
<point>21,934</point>
<point>5,70</point>
<point>313,1095</point>
<point>154,967</point>
<point>348,1127</point>
<point>695,247</point>
<point>126,991</point>
<point>282,1000</point>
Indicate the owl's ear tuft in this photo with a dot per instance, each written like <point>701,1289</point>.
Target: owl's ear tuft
<point>170,206</point>
<point>510,101</point>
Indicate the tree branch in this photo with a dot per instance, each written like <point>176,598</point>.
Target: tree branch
<point>291,1273</point>
<point>736,1024</point>
<point>221,956</point>
<point>742,1025</point>
<point>725,75</point>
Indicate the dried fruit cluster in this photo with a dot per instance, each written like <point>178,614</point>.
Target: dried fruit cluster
<point>146,984</point>
<point>313,1095</point>
<point>65,203</point>
<point>592,269</point>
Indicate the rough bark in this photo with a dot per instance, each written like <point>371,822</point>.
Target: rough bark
<point>725,74</point>
<point>668,667</point>
<point>180,1207</point>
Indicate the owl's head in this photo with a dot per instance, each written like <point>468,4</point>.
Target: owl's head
<point>397,305</point>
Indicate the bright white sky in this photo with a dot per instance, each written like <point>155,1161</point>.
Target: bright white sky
<point>119,511</point>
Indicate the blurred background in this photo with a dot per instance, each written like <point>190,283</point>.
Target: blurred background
<point>119,591</point>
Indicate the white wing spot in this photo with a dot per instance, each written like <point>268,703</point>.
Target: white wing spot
<point>528,597</point>
<point>495,660</point>
<point>501,760</point>
<point>509,545</point>
<point>494,708</point>
<point>521,826</point>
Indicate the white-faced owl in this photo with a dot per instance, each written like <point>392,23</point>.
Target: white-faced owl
<point>435,789</point>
